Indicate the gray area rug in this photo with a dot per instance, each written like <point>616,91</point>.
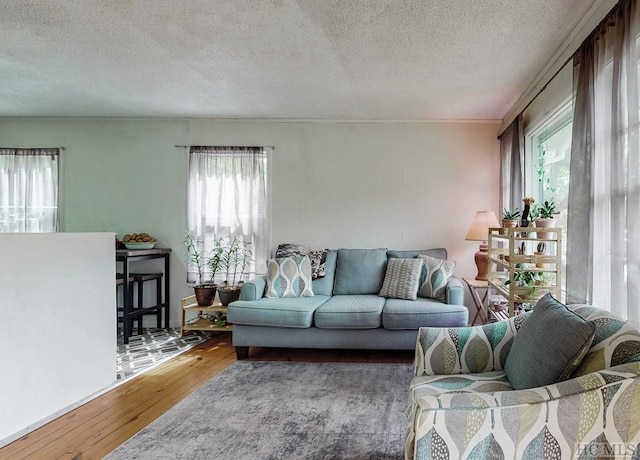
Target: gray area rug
<point>284,410</point>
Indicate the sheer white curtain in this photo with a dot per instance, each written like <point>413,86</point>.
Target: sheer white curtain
<point>603,244</point>
<point>29,190</point>
<point>228,197</point>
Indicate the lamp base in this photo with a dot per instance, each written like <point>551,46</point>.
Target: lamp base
<point>482,262</point>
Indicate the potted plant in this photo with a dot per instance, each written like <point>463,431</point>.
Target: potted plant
<point>205,287</point>
<point>510,217</point>
<point>544,217</point>
<point>524,278</point>
<point>234,262</point>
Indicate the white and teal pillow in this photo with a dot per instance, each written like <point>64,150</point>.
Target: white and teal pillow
<point>289,277</point>
<point>402,279</point>
<point>436,276</point>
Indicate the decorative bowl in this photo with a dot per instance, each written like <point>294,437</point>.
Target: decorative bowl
<point>147,245</point>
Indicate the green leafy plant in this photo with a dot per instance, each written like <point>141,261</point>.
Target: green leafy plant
<point>511,214</point>
<point>234,261</point>
<point>547,210</point>
<point>526,278</point>
<point>543,178</point>
<point>205,264</point>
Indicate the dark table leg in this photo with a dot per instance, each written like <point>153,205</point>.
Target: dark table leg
<point>167,297</point>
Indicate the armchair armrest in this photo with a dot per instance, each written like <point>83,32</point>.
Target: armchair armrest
<point>454,292</point>
<point>574,417</point>
<point>465,350</point>
<point>253,289</point>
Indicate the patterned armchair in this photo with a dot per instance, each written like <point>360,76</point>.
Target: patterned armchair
<point>461,404</point>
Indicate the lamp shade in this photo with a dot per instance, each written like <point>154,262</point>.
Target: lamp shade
<point>480,226</point>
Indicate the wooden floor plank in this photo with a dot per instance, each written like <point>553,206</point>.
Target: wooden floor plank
<point>96,428</point>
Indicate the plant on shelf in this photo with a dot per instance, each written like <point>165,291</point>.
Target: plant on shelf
<point>206,268</point>
<point>510,217</point>
<point>547,210</point>
<point>526,278</point>
<point>235,258</point>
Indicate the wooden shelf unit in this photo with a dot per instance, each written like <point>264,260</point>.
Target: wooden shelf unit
<point>199,323</point>
<point>504,248</point>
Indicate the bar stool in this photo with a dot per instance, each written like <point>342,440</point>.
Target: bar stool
<point>140,310</point>
<point>120,310</point>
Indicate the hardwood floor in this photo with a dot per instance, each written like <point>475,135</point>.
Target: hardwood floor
<point>96,428</point>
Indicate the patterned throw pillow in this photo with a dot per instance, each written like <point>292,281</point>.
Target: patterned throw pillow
<point>402,279</point>
<point>437,274</point>
<point>317,256</point>
<point>289,277</point>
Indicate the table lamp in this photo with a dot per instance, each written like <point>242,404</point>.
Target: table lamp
<point>479,231</point>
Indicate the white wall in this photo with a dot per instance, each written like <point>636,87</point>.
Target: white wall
<point>400,185</point>
<point>58,337</point>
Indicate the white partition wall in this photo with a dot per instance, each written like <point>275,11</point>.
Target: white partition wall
<point>58,337</point>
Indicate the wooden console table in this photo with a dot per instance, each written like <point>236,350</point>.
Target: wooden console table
<point>126,256</point>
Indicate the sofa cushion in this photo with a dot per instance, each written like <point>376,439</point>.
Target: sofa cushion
<point>438,253</point>
<point>350,312</point>
<point>289,277</point>
<point>360,271</point>
<point>324,285</point>
<point>413,314</point>
<point>317,256</point>
<point>549,346</point>
<point>401,279</point>
<point>282,312</point>
<point>436,275</point>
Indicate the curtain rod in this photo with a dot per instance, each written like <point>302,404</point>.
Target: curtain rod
<point>33,148</point>
<point>235,146</point>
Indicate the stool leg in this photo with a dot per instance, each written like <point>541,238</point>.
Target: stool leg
<point>159,303</point>
<point>140,296</point>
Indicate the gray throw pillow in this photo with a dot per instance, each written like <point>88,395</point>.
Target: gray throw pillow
<point>401,279</point>
<point>549,345</point>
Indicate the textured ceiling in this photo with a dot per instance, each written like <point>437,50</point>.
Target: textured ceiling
<point>310,59</point>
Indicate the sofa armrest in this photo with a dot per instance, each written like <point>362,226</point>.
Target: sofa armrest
<point>465,350</point>
<point>253,289</point>
<point>455,292</point>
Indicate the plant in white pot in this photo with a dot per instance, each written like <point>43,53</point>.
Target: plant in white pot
<point>206,268</point>
<point>235,258</point>
<point>544,217</point>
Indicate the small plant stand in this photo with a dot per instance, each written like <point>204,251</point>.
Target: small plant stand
<point>199,322</point>
<point>511,251</point>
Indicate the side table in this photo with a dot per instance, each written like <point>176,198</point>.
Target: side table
<point>199,323</point>
<point>476,288</point>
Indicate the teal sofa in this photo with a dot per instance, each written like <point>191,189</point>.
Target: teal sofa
<point>462,403</point>
<point>345,311</point>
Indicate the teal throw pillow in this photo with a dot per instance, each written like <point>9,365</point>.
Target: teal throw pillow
<point>549,345</point>
<point>402,278</point>
<point>289,277</point>
<point>436,276</point>
<point>360,271</point>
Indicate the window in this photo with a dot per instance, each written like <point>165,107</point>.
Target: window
<point>547,160</point>
<point>227,198</point>
<point>29,190</point>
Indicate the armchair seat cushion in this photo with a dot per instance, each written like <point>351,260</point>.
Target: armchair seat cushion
<point>280,312</point>
<point>350,312</point>
<point>422,312</point>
